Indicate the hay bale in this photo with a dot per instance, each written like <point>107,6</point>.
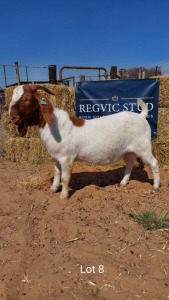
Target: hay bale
<point>65,99</point>
<point>64,96</point>
<point>28,150</point>
<point>161,143</point>
<point>163,124</point>
<point>163,91</point>
<point>12,130</point>
<point>14,149</point>
<point>162,152</point>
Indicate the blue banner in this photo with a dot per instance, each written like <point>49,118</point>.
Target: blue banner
<point>95,99</point>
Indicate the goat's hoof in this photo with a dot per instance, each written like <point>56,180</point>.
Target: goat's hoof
<point>51,191</point>
<point>64,196</point>
<point>123,183</point>
<point>156,188</point>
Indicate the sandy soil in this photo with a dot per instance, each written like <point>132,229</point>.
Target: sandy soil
<point>84,248</point>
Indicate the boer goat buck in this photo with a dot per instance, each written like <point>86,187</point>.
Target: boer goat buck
<point>67,138</point>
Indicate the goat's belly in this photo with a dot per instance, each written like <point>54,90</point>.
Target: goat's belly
<point>102,156</point>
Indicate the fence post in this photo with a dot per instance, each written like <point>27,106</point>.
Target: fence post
<point>17,72</point>
<point>113,72</point>
<point>122,73</point>
<point>140,73</point>
<point>5,75</point>
<point>82,78</point>
<point>26,69</point>
<point>52,74</point>
<point>157,71</point>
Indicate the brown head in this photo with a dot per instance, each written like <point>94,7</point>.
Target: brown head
<point>29,107</point>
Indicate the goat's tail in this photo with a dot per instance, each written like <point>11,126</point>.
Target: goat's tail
<point>144,108</point>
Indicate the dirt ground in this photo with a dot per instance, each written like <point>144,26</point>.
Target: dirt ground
<point>84,248</point>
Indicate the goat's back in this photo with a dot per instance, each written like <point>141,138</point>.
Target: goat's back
<point>106,139</point>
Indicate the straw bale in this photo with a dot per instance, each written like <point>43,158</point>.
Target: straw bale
<point>14,149</point>
<point>163,90</point>
<point>28,150</point>
<point>8,95</point>
<point>65,99</point>
<point>13,130</point>
<point>163,124</point>
<point>64,96</point>
<point>9,127</point>
<point>162,153</point>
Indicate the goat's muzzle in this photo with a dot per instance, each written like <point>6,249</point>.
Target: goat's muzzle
<point>21,123</point>
<point>15,120</point>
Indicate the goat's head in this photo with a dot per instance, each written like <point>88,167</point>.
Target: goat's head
<point>28,107</point>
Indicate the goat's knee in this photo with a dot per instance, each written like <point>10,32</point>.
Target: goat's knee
<point>56,181</point>
<point>66,174</point>
<point>129,159</point>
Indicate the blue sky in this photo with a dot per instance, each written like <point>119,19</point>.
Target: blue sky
<point>125,33</point>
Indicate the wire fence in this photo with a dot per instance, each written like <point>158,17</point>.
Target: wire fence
<point>8,74</point>
<point>11,74</point>
<point>165,69</point>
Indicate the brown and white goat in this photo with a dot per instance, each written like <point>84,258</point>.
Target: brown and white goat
<point>107,139</point>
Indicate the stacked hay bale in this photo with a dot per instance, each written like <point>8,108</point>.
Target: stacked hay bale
<point>161,143</point>
<point>30,149</point>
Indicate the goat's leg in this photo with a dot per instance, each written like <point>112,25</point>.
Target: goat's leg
<point>66,168</point>
<point>155,170</point>
<point>129,158</point>
<point>56,182</point>
<point>149,159</point>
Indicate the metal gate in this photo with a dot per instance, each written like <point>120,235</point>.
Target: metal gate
<point>73,74</point>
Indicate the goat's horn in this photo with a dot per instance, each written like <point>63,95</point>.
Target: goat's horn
<point>35,87</point>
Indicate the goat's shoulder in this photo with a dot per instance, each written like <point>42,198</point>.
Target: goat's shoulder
<point>63,115</point>
<point>78,122</point>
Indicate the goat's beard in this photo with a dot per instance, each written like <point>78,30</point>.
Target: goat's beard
<point>22,128</point>
<point>21,123</point>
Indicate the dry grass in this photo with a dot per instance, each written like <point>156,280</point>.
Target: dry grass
<point>35,183</point>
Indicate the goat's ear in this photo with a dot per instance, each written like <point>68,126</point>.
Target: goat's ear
<point>46,108</point>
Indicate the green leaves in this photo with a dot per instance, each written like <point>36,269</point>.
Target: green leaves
<point>151,220</point>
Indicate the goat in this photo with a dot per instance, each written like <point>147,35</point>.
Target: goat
<point>67,138</point>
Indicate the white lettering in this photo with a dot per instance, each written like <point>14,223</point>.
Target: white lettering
<point>132,106</point>
<point>125,107</point>
<point>150,106</point>
<point>96,108</point>
<point>103,107</point>
<point>88,108</point>
<point>113,107</point>
<point>82,108</point>
<point>101,269</point>
<point>109,108</point>
<point>87,270</point>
